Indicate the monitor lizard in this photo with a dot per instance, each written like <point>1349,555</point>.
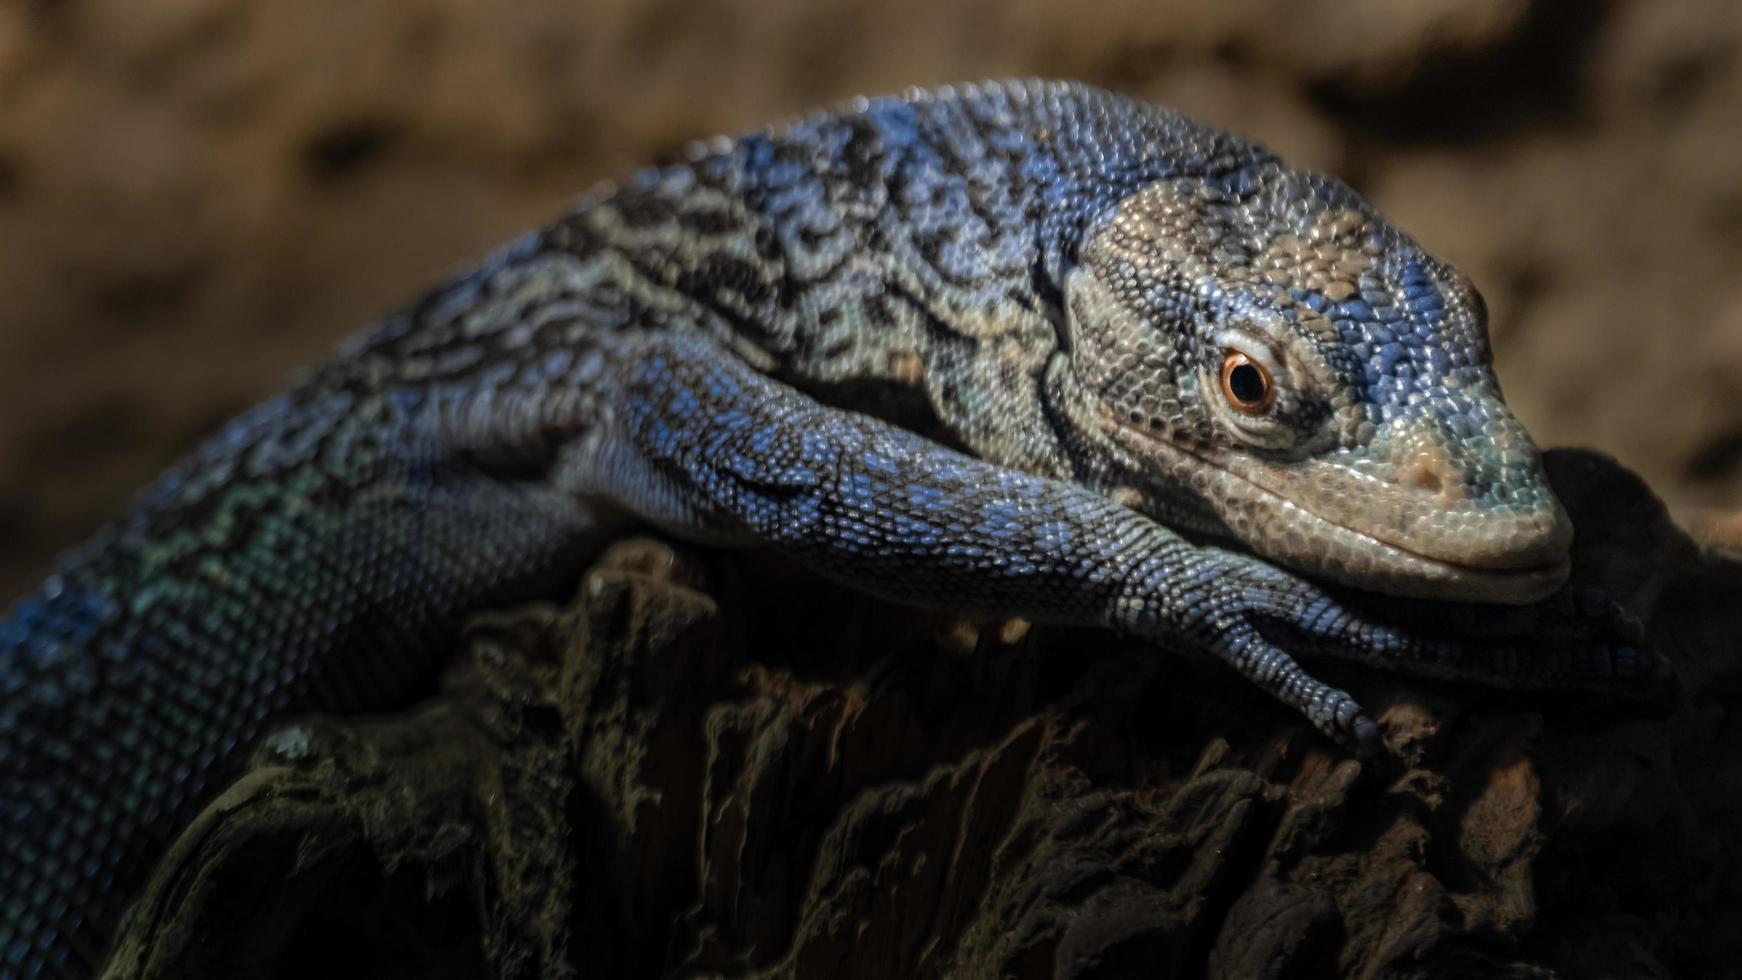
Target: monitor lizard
<point>1028,347</point>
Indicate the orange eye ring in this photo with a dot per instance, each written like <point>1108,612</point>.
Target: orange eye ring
<point>1246,384</point>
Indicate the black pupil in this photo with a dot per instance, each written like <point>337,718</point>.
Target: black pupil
<point>1247,383</point>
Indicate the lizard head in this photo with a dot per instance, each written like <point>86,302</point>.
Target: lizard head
<point>1316,384</point>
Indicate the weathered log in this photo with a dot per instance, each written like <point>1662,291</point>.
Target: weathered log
<point>712,764</point>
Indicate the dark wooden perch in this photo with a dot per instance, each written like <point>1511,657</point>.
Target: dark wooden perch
<point>716,765</point>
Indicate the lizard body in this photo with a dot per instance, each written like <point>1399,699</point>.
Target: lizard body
<point>1095,319</point>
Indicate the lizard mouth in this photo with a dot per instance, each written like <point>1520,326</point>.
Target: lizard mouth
<point>1475,556</point>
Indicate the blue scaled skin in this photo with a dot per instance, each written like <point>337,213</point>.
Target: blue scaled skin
<point>1129,325</point>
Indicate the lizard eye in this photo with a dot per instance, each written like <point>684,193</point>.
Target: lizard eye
<point>1246,384</point>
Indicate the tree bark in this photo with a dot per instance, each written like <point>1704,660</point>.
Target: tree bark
<point>712,764</point>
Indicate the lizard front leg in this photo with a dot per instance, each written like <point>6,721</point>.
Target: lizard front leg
<point>702,444</point>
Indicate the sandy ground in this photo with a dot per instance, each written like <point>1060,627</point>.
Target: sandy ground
<point>199,196</point>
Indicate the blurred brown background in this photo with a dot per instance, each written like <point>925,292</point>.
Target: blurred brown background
<point>199,196</point>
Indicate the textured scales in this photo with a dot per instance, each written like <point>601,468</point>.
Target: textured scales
<point>955,348</point>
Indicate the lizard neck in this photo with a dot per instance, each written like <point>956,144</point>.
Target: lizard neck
<point>911,246</point>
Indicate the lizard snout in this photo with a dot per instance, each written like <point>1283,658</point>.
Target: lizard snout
<point>1451,511</point>
<point>1429,507</point>
<point>1473,498</point>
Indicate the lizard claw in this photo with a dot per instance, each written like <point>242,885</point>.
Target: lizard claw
<point>1575,639</point>
<point>1602,613</point>
<point>1224,609</point>
<point>1367,742</point>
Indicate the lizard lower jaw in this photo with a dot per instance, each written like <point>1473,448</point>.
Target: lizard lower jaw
<point>1295,536</point>
<point>1513,561</point>
<point>1316,545</point>
<point>1399,571</point>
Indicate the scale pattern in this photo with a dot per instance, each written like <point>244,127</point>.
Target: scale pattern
<point>957,347</point>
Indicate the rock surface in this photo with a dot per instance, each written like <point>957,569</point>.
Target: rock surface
<point>713,764</point>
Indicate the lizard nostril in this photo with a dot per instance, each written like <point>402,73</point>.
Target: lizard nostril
<point>1424,477</point>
